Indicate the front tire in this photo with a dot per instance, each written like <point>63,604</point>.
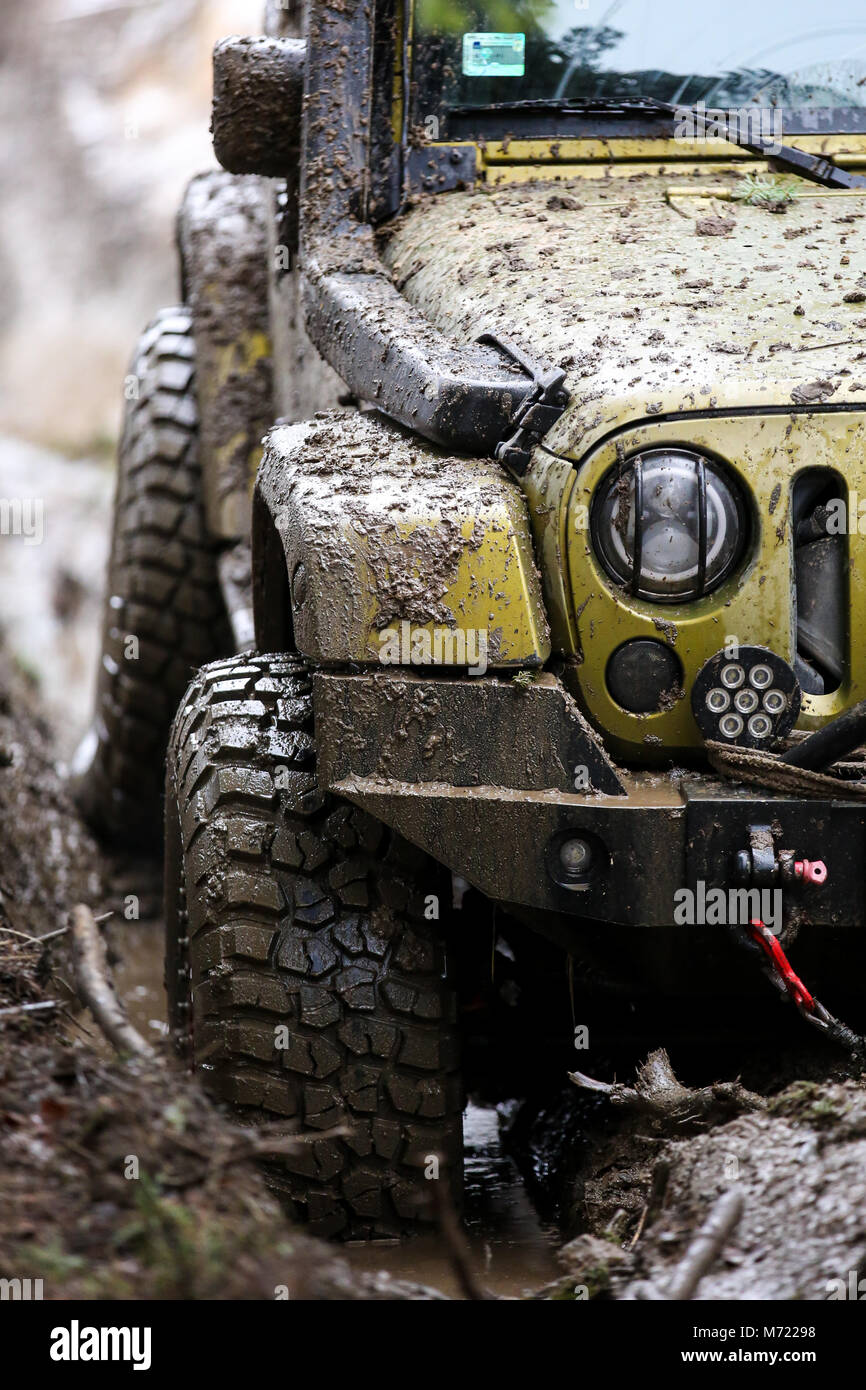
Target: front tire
<point>306,979</point>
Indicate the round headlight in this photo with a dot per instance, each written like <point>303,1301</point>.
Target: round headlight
<point>669,524</point>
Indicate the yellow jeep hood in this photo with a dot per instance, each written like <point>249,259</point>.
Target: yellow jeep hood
<point>653,300</point>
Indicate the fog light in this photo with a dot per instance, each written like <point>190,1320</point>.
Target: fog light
<point>760,726</point>
<point>730,726</point>
<point>642,674</point>
<point>761,676</point>
<point>733,675</point>
<point>575,856</point>
<point>748,698</point>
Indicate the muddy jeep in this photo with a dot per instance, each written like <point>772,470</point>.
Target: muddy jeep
<point>548,573</point>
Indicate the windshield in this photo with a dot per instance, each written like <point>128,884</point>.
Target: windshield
<point>795,56</point>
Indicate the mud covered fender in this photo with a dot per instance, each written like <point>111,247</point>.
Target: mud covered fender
<point>223,241</point>
<point>370,545</point>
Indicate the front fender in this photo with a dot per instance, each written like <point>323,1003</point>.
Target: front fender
<point>370,545</point>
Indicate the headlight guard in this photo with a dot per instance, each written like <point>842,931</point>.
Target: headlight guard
<point>693,527</point>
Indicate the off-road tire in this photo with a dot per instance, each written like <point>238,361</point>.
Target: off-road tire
<point>162,589</point>
<point>290,910</point>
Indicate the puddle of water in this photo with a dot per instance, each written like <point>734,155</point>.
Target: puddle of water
<point>137,951</point>
<point>512,1249</point>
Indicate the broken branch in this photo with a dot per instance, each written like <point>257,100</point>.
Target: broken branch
<point>658,1093</point>
<point>95,988</point>
<point>29,1008</point>
<point>702,1253</point>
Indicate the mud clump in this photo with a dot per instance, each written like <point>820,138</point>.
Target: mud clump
<point>48,859</point>
<point>714,226</point>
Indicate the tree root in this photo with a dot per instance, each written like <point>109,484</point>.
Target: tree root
<point>658,1093</point>
<point>95,989</point>
<point>703,1251</point>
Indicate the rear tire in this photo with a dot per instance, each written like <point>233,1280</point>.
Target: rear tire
<point>305,979</point>
<point>162,590</point>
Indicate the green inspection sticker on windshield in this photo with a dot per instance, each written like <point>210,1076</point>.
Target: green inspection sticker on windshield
<point>494,55</point>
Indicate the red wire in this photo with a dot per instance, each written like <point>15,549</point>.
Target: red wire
<point>793,984</point>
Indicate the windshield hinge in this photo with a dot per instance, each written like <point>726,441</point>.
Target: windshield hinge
<point>439,168</point>
<point>537,413</point>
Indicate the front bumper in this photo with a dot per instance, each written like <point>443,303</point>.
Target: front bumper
<point>481,774</point>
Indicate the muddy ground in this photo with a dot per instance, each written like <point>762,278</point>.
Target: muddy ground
<point>119,1179</point>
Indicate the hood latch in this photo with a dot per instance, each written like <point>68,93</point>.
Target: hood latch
<point>537,413</point>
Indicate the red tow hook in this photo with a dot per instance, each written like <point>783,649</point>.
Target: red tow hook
<point>764,938</point>
<point>810,871</point>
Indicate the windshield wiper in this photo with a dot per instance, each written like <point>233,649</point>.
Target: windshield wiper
<point>786,157</point>
<point>580,106</point>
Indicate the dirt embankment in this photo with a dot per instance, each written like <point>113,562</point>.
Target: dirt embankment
<point>715,1192</point>
<point>119,1180</point>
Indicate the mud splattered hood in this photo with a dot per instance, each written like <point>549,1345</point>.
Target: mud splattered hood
<point>652,301</point>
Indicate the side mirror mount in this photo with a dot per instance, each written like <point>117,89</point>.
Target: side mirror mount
<point>258,88</point>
